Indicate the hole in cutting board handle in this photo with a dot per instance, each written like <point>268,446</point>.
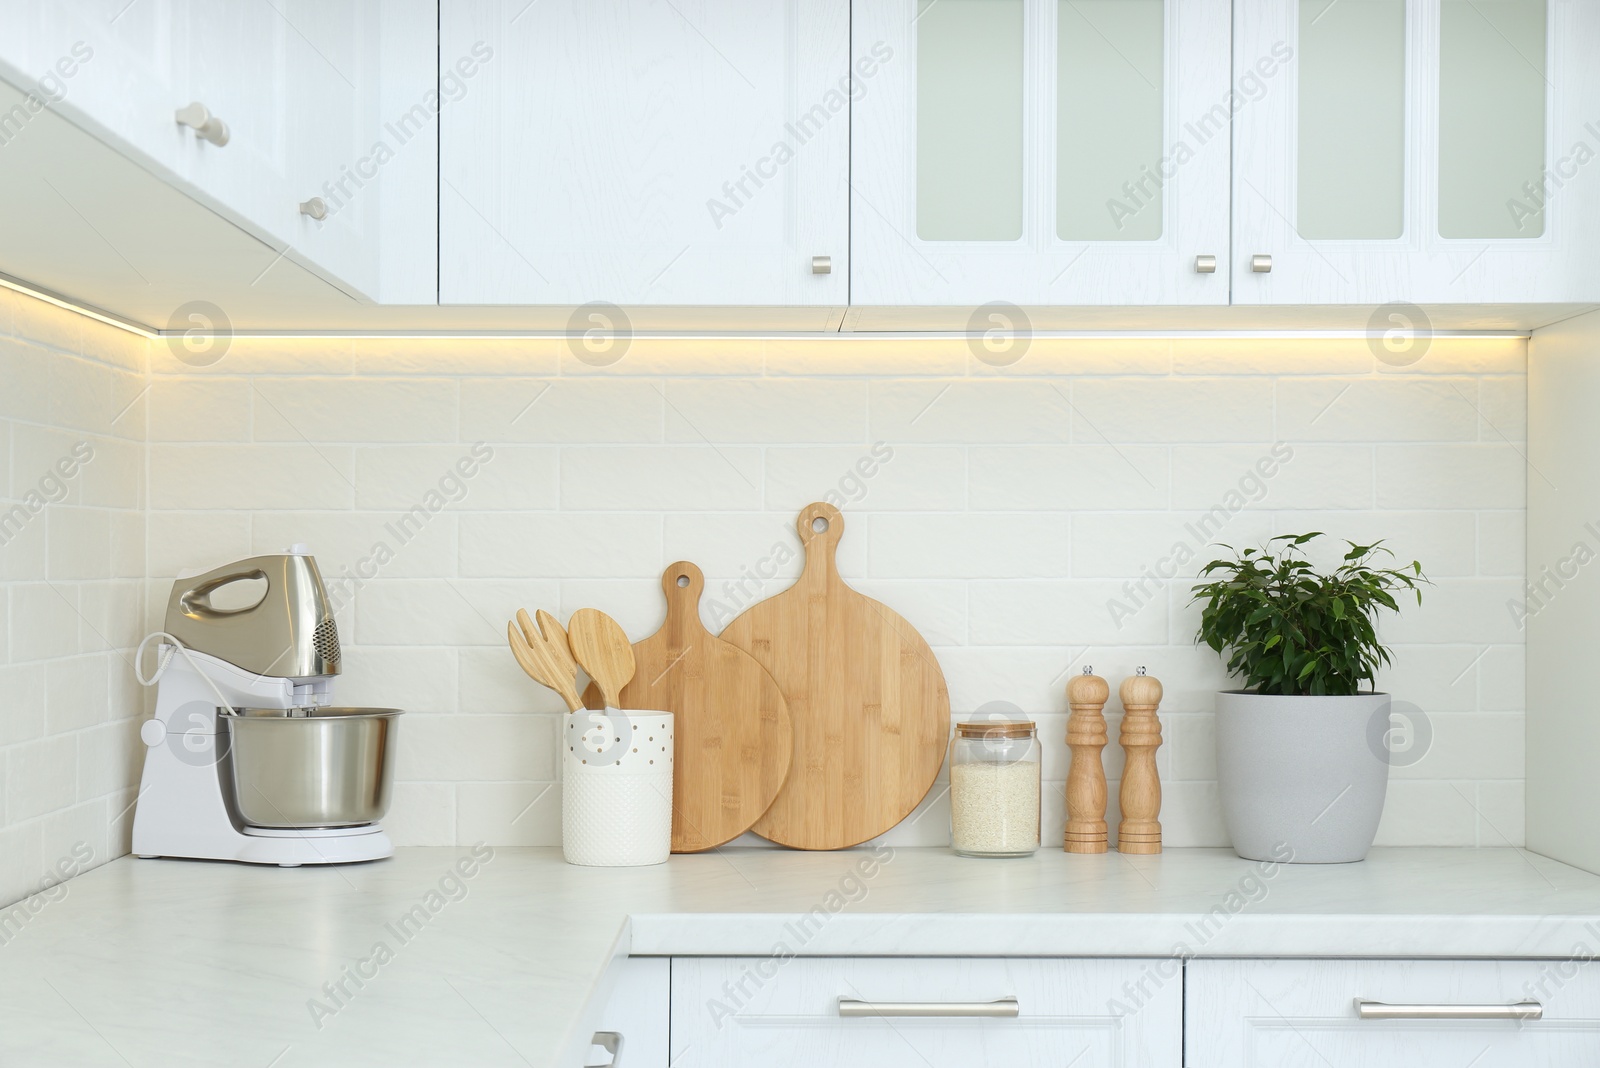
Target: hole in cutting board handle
<point>683,582</point>
<point>820,524</point>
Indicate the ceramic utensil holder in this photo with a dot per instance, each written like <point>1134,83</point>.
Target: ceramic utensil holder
<point>616,790</point>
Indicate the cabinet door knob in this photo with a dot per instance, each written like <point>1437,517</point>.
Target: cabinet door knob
<point>1205,265</point>
<point>316,207</point>
<point>1261,264</point>
<point>821,264</point>
<point>205,125</point>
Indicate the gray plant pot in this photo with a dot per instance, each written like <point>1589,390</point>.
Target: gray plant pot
<point>1298,775</point>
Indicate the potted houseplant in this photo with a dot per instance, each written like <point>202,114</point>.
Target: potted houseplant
<point>1296,769</point>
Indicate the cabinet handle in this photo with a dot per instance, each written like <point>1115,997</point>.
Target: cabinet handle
<point>205,125</point>
<point>611,1042</point>
<point>1261,264</point>
<point>821,264</point>
<point>1378,1010</point>
<point>1005,1008</point>
<point>1205,265</point>
<point>316,208</point>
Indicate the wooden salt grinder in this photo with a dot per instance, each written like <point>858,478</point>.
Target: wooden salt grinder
<point>1086,777</point>
<point>1140,830</point>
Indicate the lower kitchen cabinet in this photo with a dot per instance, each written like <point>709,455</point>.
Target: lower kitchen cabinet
<point>635,1017</point>
<point>1433,1014</point>
<point>925,1013</point>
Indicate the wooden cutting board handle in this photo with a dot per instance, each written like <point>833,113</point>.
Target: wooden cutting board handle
<point>869,703</point>
<point>731,728</point>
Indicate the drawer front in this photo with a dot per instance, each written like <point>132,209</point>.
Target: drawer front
<point>1303,1014</point>
<point>773,1012</point>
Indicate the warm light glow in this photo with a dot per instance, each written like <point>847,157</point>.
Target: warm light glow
<point>67,305</point>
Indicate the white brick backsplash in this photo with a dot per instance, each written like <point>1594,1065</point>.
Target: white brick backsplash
<point>1377,409</point>
<point>514,477</point>
<point>416,679</point>
<point>194,541</point>
<point>1490,476</point>
<point>200,409</point>
<point>1183,410</point>
<point>422,814</point>
<point>78,691</point>
<point>352,546</point>
<point>1445,543</point>
<point>26,695</point>
<point>777,410</point>
<point>1503,409</point>
<point>1016,504</point>
<point>473,748</point>
<point>41,777</point>
<point>1068,477</point>
<point>876,477</point>
<point>756,549</point>
<point>568,545</point>
<point>447,612</point>
<point>1064,613</point>
<point>1501,812</point>
<point>354,409</point>
<point>543,410</point>
<point>661,477</point>
<point>970,546</point>
<point>26,370</point>
<point>979,411</point>
<point>1423,812</point>
<point>1270,475</point>
<point>1503,543</point>
<point>251,476</point>
<point>509,813</point>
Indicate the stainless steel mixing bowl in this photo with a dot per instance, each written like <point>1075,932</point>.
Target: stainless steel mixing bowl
<point>320,767</point>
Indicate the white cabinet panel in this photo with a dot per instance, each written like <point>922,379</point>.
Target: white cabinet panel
<point>1429,151</point>
<point>645,152</point>
<point>1301,1014</point>
<point>1040,152</point>
<point>776,1012</point>
<point>314,95</point>
<point>638,1012</point>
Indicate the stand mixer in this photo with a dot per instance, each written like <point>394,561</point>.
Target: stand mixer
<point>246,758</point>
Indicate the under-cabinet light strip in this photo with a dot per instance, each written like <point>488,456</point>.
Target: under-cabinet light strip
<point>17,286</point>
<point>56,299</point>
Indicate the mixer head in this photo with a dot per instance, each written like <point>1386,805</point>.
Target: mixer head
<point>289,633</point>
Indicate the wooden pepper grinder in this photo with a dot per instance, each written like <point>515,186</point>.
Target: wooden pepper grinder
<point>1140,830</point>
<point>1086,777</point>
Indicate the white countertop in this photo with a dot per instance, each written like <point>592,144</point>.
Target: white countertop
<point>169,962</point>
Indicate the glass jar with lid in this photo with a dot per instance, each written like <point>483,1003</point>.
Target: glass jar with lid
<point>994,788</point>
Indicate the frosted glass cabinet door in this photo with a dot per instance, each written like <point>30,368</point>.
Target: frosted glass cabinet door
<point>644,152</point>
<point>1041,152</point>
<point>1428,151</point>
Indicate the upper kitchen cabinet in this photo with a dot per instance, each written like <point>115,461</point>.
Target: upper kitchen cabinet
<point>306,124</point>
<point>647,152</point>
<point>1041,152</point>
<point>1428,151</point>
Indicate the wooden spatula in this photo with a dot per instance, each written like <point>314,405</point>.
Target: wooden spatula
<point>601,648</point>
<point>544,655</point>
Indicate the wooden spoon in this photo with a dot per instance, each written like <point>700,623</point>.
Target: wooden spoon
<point>602,649</point>
<point>546,659</point>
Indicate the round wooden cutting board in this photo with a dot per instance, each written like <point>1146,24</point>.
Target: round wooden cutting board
<point>731,725</point>
<point>870,709</point>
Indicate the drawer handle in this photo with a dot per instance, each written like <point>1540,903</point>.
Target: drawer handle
<point>1004,1009</point>
<point>1377,1010</point>
<point>611,1042</point>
